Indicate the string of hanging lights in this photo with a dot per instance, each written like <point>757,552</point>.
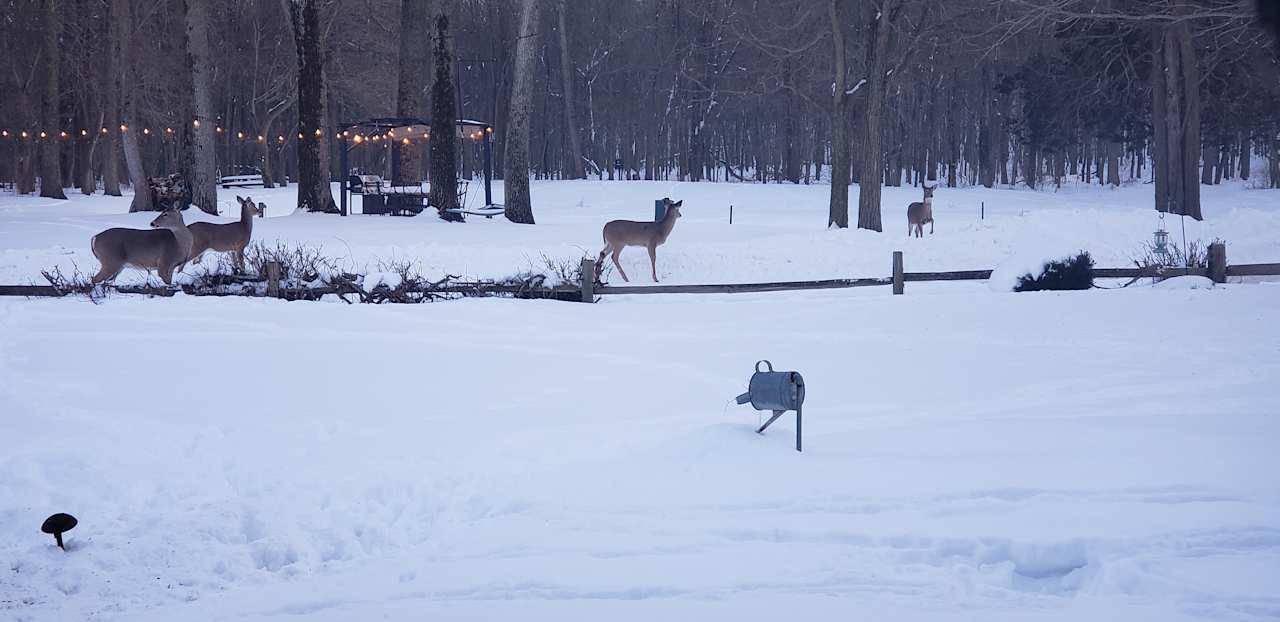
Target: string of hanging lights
<point>240,135</point>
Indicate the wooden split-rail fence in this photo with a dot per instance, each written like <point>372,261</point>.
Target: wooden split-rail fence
<point>588,289</point>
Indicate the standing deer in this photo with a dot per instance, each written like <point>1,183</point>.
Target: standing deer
<point>164,247</point>
<point>619,234</point>
<point>231,237</point>
<point>919,213</point>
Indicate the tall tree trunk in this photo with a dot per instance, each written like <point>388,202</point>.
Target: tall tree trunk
<point>411,84</point>
<point>515,185</point>
<point>574,168</point>
<point>444,136</point>
<point>838,212</point>
<point>1208,158</point>
<point>201,181</point>
<point>1246,153</point>
<point>123,16</point>
<point>1113,162</point>
<point>872,150</point>
<point>111,116</point>
<point>1176,108</point>
<point>50,156</point>
<point>314,193</point>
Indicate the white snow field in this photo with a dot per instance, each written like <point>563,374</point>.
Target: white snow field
<point>969,454</point>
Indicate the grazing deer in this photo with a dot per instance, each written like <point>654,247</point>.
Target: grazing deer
<point>619,234</point>
<point>162,248</point>
<point>919,213</point>
<point>231,237</point>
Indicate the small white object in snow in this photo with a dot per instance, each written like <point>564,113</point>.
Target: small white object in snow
<point>1189,281</point>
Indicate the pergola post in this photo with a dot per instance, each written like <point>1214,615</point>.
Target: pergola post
<point>488,166</point>
<point>345,171</point>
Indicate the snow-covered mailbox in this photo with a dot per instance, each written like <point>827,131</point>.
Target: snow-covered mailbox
<point>778,391</point>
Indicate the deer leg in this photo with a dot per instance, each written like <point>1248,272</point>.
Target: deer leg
<point>106,274</point>
<point>617,265</point>
<point>166,274</point>
<point>653,262</point>
<point>930,227</point>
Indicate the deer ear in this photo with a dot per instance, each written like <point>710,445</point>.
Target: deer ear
<point>678,203</point>
<point>239,198</point>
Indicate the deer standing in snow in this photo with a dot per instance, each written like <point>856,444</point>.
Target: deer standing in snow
<point>919,213</point>
<point>619,234</point>
<point>163,247</point>
<point>231,237</point>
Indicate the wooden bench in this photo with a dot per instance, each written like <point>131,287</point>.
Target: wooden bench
<point>240,181</point>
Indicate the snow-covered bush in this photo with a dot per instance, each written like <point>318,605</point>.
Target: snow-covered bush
<point>1060,274</point>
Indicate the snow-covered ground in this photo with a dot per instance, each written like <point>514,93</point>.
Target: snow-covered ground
<point>777,233</point>
<point>1108,454</point>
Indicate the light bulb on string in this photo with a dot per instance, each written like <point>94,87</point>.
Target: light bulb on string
<point>43,135</point>
<point>84,132</point>
<point>240,135</point>
<point>104,130</point>
<point>124,128</point>
<point>195,123</point>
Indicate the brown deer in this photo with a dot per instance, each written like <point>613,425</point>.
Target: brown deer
<point>619,234</point>
<point>231,237</point>
<point>162,248</point>
<point>919,213</point>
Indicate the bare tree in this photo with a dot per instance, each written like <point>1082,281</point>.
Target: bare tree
<point>314,193</point>
<point>122,19</point>
<point>202,182</point>
<point>838,210</point>
<point>574,168</point>
<point>411,91</point>
<point>50,165</point>
<point>444,135</point>
<point>519,208</point>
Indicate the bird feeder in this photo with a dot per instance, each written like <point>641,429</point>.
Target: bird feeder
<point>1160,244</point>
<point>777,391</point>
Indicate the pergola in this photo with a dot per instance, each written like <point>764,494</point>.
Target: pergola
<point>392,130</point>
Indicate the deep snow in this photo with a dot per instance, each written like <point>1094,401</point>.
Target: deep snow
<point>968,454</point>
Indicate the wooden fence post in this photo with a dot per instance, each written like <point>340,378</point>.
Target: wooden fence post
<point>273,278</point>
<point>587,282</point>
<point>1218,262</point>
<point>897,272</point>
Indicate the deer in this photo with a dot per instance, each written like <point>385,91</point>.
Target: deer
<point>619,234</point>
<point>919,213</point>
<point>231,237</point>
<point>163,247</point>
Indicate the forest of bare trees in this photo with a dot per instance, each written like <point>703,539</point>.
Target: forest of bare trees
<point>100,94</point>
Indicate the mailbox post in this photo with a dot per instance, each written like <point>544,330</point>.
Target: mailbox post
<point>778,391</point>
